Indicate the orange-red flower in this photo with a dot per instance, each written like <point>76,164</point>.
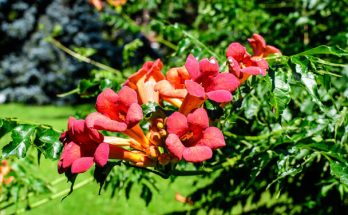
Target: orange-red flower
<point>191,138</point>
<point>172,89</point>
<point>260,48</point>
<point>242,65</point>
<point>116,111</point>
<point>206,82</point>
<point>83,146</point>
<point>144,81</point>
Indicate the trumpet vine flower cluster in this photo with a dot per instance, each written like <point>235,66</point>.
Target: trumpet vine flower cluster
<point>185,134</point>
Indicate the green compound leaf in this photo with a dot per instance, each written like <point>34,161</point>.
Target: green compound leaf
<point>22,137</point>
<point>325,50</point>
<point>6,126</point>
<point>339,170</point>
<point>281,93</point>
<point>47,142</point>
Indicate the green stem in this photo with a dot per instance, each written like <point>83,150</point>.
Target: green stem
<point>69,93</point>
<point>161,174</point>
<point>201,44</point>
<point>228,163</point>
<point>81,57</point>
<point>264,136</point>
<point>52,197</point>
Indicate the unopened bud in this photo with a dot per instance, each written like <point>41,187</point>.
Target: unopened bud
<point>153,152</point>
<point>164,159</point>
<point>160,125</point>
<point>163,132</point>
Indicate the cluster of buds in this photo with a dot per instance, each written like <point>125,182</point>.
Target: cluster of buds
<point>5,169</point>
<point>184,134</point>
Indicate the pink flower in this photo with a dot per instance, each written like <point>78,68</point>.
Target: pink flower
<point>260,48</point>
<point>242,65</point>
<point>206,82</point>
<point>144,81</point>
<point>116,112</point>
<point>191,138</point>
<point>83,146</point>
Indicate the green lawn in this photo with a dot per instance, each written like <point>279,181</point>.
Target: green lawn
<point>86,200</point>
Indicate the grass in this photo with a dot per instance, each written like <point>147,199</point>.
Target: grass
<point>86,200</point>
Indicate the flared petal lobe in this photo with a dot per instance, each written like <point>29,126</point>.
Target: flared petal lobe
<point>213,138</point>
<point>237,51</point>
<point>197,154</point>
<point>177,124</point>
<point>134,115</point>
<point>198,118</point>
<point>82,165</point>
<point>220,96</point>
<point>101,122</point>
<point>175,146</point>
<point>101,154</point>
<point>192,66</point>
<point>106,103</point>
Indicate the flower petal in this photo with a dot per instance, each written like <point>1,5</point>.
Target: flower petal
<point>99,121</point>
<point>166,89</point>
<point>197,153</point>
<point>81,165</point>
<point>79,133</point>
<point>258,44</point>
<point>71,152</point>
<point>177,124</point>
<point>106,103</point>
<point>177,76</point>
<point>174,145</point>
<point>127,96</point>
<point>194,89</point>
<point>208,67</point>
<point>101,154</point>
<point>223,81</point>
<point>233,67</point>
<point>237,51</point>
<point>134,115</point>
<point>253,70</point>
<point>213,138</point>
<point>192,66</point>
<point>270,50</point>
<point>220,96</point>
<point>198,118</point>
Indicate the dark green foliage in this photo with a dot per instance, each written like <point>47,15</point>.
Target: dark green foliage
<point>23,135</point>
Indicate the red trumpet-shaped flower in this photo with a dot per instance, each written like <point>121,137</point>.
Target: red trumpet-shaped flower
<point>242,65</point>
<point>116,112</point>
<point>83,146</point>
<point>260,48</point>
<point>191,138</point>
<point>144,81</point>
<point>206,82</point>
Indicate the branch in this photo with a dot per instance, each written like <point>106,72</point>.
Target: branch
<point>52,197</point>
<point>76,55</point>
